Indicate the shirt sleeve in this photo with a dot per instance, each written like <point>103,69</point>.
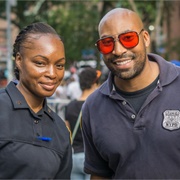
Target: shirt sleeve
<point>94,162</point>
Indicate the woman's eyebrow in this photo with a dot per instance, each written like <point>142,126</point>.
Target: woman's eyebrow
<point>63,58</point>
<point>44,57</point>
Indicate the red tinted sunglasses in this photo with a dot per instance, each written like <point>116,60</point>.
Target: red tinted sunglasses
<point>128,40</point>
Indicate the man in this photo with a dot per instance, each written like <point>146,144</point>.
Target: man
<point>131,124</point>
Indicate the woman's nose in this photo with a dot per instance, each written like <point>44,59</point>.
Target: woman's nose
<point>51,72</point>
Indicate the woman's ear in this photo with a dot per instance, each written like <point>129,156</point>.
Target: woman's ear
<point>18,60</point>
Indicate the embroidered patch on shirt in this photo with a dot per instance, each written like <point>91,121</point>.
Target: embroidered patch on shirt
<point>171,119</point>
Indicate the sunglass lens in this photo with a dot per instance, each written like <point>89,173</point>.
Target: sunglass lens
<point>106,45</point>
<point>129,40</point>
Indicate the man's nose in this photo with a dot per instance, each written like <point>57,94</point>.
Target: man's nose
<point>118,48</point>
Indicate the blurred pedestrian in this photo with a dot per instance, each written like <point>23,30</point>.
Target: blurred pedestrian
<point>89,81</point>
<point>60,92</point>
<point>131,124</point>
<point>34,141</point>
<point>73,90</point>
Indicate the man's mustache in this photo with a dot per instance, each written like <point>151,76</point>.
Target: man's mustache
<point>123,56</point>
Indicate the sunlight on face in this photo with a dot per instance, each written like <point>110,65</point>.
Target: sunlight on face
<point>125,63</point>
<point>41,65</point>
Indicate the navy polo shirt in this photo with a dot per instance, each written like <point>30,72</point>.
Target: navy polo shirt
<point>123,144</point>
<point>24,154</point>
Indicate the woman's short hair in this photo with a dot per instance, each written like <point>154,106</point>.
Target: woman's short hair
<point>24,35</point>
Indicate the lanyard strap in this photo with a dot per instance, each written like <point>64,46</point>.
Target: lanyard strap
<point>76,126</point>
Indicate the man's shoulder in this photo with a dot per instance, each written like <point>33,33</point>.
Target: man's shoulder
<point>96,96</point>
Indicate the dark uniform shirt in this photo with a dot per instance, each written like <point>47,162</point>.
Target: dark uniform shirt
<point>32,145</point>
<point>123,144</point>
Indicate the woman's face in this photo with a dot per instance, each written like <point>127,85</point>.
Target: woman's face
<point>41,65</point>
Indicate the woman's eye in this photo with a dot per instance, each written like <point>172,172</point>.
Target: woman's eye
<point>39,63</point>
<point>60,66</point>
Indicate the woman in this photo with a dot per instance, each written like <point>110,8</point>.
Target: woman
<point>89,81</point>
<point>34,141</point>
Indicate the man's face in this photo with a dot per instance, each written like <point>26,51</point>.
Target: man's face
<point>122,62</point>
<point>41,65</point>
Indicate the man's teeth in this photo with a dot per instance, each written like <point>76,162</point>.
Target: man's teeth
<point>123,62</point>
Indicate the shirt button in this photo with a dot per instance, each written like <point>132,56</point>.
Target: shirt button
<point>18,102</point>
<point>36,121</point>
<point>124,102</point>
<point>133,116</point>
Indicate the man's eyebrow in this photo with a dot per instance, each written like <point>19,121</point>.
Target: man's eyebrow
<point>112,35</point>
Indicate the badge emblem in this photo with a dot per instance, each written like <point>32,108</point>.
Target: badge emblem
<point>171,119</point>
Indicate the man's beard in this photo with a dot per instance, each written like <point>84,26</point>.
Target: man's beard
<point>128,74</point>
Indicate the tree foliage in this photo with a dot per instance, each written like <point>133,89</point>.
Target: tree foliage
<point>77,24</point>
<point>77,21</point>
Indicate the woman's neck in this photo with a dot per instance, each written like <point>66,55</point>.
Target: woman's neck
<point>34,103</point>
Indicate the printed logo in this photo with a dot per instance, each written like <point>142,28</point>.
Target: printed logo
<point>171,119</point>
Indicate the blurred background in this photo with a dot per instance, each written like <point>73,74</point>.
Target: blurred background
<point>77,22</point>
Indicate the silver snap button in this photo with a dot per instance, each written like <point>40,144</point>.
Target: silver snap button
<point>18,102</point>
<point>133,116</point>
<point>124,102</point>
<point>36,121</point>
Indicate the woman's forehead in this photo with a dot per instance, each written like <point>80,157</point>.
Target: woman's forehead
<point>34,40</point>
<point>41,36</point>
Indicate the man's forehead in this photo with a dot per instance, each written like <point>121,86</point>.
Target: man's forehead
<point>125,20</point>
<point>116,12</point>
<point>115,23</point>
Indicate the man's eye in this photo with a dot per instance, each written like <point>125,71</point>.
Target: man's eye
<point>107,42</point>
<point>128,38</point>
